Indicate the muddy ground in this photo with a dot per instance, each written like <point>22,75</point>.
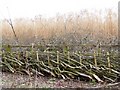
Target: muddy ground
<point>24,81</point>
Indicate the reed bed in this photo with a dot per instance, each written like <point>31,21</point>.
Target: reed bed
<point>72,28</point>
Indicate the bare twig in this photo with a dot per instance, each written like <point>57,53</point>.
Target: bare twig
<point>11,24</point>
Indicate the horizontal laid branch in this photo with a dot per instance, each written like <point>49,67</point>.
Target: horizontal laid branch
<point>62,45</point>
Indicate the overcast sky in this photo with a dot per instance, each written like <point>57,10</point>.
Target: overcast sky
<point>31,8</point>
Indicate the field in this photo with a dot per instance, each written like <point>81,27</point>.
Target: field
<point>82,47</point>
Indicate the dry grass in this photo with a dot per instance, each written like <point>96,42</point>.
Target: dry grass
<point>84,27</point>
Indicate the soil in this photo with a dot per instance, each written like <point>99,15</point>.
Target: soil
<point>24,81</point>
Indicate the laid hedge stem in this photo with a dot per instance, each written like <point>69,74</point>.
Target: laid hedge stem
<point>35,77</point>
<point>18,57</point>
<point>64,50</point>
<point>26,58</point>
<point>26,55</point>
<point>37,55</point>
<point>68,56</point>
<point>99,50</point>
<point>80,57</point>
<point>48,57</point>
<point>58,60</point>
<point>32,47</point>
<point>108,59</point>
<point>95,60</point>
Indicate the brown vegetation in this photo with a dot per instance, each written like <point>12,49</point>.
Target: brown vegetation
<point>84,27</point>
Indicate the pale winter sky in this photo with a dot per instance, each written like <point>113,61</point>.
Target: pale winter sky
<point>48,8</point>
